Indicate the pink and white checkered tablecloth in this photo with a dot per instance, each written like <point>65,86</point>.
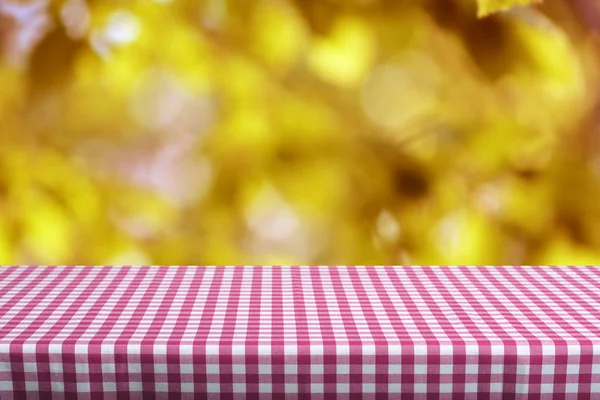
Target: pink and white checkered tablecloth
<point>286,332</point>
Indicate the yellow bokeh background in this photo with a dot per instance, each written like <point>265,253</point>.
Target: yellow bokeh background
<point>299,132</point>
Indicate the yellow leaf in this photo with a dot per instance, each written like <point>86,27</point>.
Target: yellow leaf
<point>282,49</point>
<point>563,252</point>
<point>487,7</point>
<point>346,56</point>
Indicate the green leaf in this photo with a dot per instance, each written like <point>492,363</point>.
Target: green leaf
<point>487,7</point>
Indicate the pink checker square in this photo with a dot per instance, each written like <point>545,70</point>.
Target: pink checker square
<point>572,378</point>
<point>238,378</point>
<point>186,359</point>
<point>31,357</point>
<point>316,359</point>
<point>238,359</point>
<point>420,359</point>
<point>107,358</point>
<point>369,359</point>
<point>212,359</point>
<point>264,359</point>
<point>445,378</point>
<point>160,358</point>
<point>213,378</point>
<point>369,378</point>
<point>187,378</point>
<point>135,377</point>
<point>343,359</point>
<point>303,369</point>
<point>132,358</point>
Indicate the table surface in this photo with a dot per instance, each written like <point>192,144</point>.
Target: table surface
<point>251,332</point>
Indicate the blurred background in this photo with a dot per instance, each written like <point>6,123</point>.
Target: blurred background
<point>299,132</point>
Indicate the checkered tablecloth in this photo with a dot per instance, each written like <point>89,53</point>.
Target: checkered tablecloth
<point>286,332</point>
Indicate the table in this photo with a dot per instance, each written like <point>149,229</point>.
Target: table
<point>285,332</point>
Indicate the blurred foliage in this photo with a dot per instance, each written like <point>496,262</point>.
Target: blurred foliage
<point>299,132</point>
<point>487,7</point>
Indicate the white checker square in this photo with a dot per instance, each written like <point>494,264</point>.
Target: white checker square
<point>446,350</point>
<point>548,350</point>
<point>394,350</point>
<point>186,368</point>
<point>212,368</point>
<point>265,388</point>
<point>316,350</point>
<point>83,387</point>
<point>368,369</point>
<point>238,350</point>
<point>264,369</point>
<point>571,388</point>
<point>369,350</point>
<point>317,388</point>
<point>316,369</point>
<point>496,387</point>
<point>497,369</point>
<point>186,349</point>
<point>343,369</point>
<point>596,369</point>
<point>420,387</point>
<point>110,386</point>
<point>573,349</point>
<point>238,369</point>
<point>55,348</point>
<point>32,367</point>
<point>81,349</point>
<point>107,349</point>
<point>343,387</point>
<point>595,387</point>
<point>187,387</point>
<point>239,388</point>
<point>471,387</point>
<point>420,369</point>
<point>108,368</point>
<point>471,350</point>
<point>445,388</point>
<point>161,387</point>
<point>160,368</point>
<point>342,350</point>
<point>572,369</point>
<point>56,367</point>
<point>421,350</point>
<point>547,369</point>
<point>523,388</point>
<point>546,388</point>
<point>291,369</point>
<point>394,369</point>
<point>4,367</point>
<point>58,386</point>
<point>213,387</point>
<point>264,350</point>
<point>212,349</point>
<point>291,388</point>
<point>471,369</point>
<point>31,386</point>
<point>135,368</point>
<point>394,387</point>
<point>160,349</point>
<point>6,386</point>
<point>523,369</point>
<point>368,388</point>
<point>290,350</point>
<point>445,369</point>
